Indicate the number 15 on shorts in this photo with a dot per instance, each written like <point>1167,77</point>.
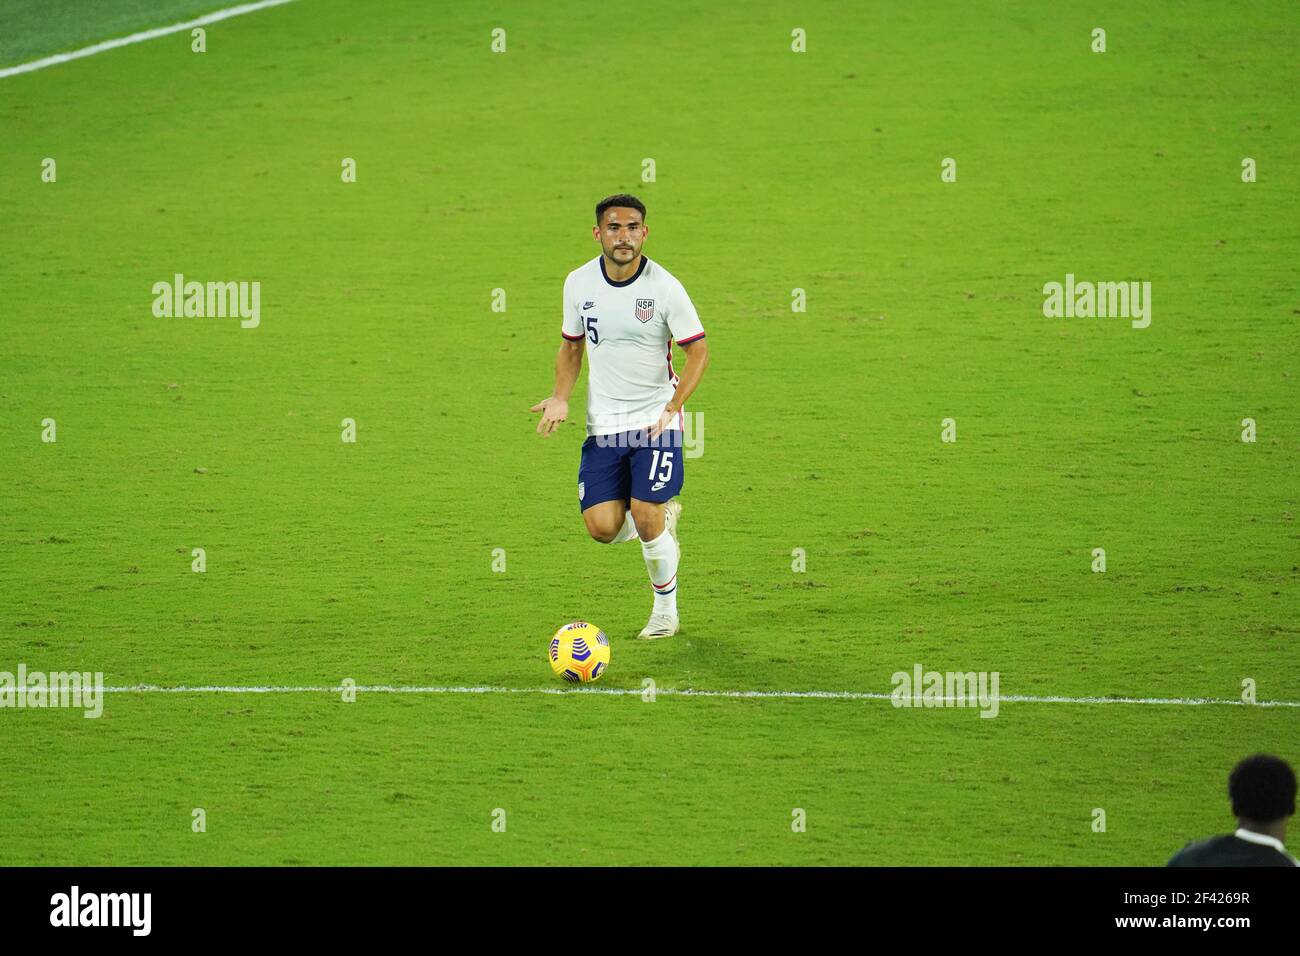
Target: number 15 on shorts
<point>664,466</point>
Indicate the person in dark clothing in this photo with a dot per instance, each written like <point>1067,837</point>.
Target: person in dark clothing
<point>1262,789</point>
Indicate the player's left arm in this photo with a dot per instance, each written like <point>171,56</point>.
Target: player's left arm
<point>683,325</point>
<point>697,360</point>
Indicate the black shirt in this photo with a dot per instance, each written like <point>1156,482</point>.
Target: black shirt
<point>1230,850</point>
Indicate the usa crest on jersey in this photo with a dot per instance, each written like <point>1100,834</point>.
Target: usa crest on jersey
<point>645,309</point>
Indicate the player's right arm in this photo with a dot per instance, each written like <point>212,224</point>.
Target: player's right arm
<point>568,363</point>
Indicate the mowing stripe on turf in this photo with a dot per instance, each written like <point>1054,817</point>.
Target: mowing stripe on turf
<point>685,692</point>
<point>140,37</point>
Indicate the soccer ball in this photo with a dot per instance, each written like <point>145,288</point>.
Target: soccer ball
<point>579,652</point>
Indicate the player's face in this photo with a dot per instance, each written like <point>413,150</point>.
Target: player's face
<point>621,233</point>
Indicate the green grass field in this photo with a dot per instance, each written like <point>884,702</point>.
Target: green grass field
<point>775,170</point>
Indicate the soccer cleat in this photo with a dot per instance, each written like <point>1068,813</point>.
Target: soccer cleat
<point>659,625</point>
<point>673,514</point>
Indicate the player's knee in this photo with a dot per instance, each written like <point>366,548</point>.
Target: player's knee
<point>604,533</point>
<point>649,519</point>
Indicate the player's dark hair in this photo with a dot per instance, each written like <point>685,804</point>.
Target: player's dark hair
<point>1262,789</point>
<point>622,199</point>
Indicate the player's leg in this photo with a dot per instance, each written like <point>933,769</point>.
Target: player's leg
<point>650,518</point>
<point>603,489</point>
<point>657,477</point>
<point>662,555</point>
<point>610,522</point>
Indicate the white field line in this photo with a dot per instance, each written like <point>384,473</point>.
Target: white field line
<point>683,692</point>
<point>153,34</point>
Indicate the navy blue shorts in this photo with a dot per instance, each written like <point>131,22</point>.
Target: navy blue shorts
<point>629,465</point>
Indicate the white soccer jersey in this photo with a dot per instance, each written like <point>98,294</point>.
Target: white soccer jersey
<point>629,327</point>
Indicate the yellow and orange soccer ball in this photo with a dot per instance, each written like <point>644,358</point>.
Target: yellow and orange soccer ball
<point>579,652</point>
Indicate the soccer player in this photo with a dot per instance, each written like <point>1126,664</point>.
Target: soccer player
<point>624,311</point>
<point>1262,790</point>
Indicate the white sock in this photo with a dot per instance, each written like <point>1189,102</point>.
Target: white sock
<point>628,531</point>
<point>661,562</point>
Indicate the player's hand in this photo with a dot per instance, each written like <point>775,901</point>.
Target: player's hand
<point>665,419</point>
<point>554,410</point>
